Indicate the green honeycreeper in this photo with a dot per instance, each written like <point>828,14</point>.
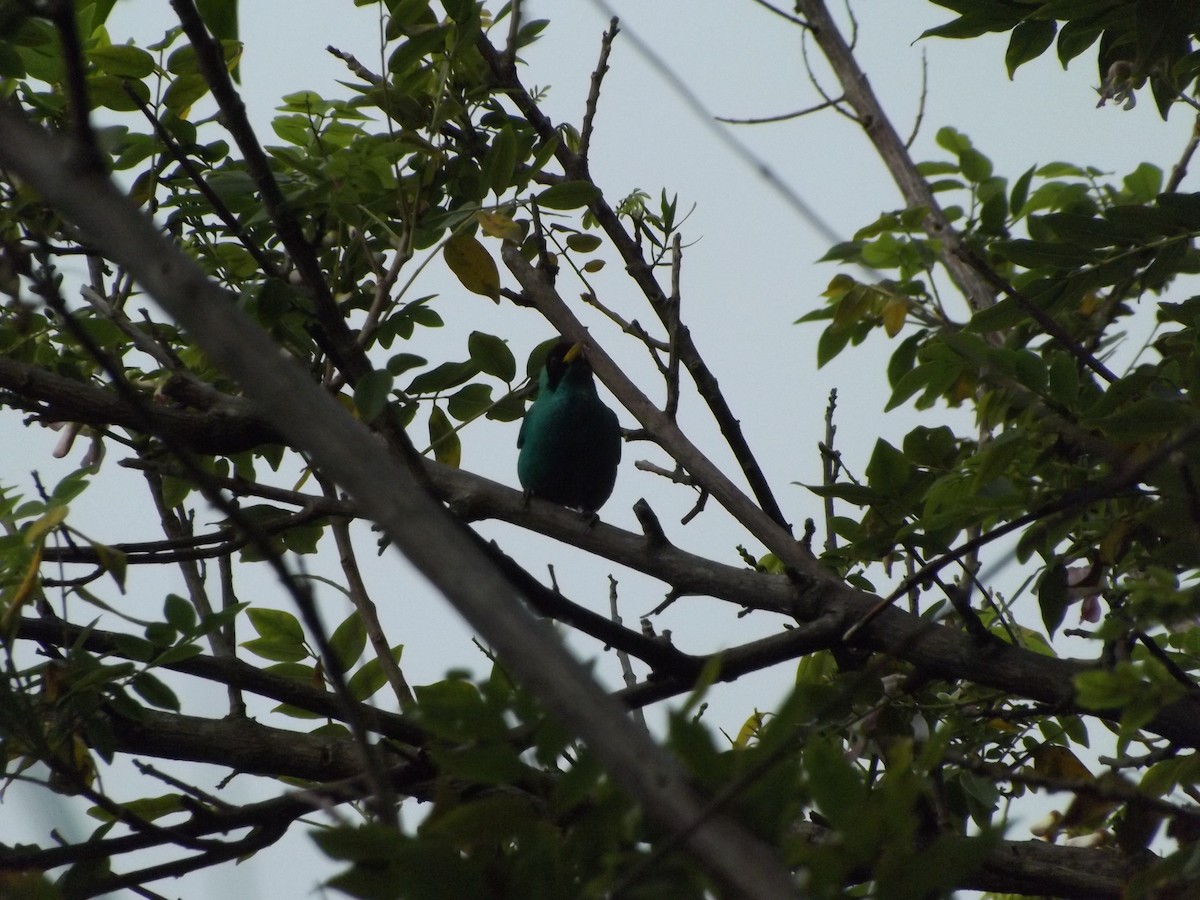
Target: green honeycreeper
<point>570,441</point>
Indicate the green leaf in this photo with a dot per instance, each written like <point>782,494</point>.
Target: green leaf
<point>1052,596</point>
<point>832,341</point>
<point>221,17</point>
<point>179,613</point>
<point>443,376</point>
<point>147,808</point>
<point>1075,37</point>
<point>112,92</point>
<point>1085,231</point>
<point>447,448</point>
<point>912,381</point>
<point>1146,419</point>
<point>1144,182</point>
<point>836,787</point>
<point>981,18</point>
<point>1029,40</point>
<point>1032,254</point>
<point>583,243</point>
<point>122,60</point>
<point>1064,380</point>
<point>1020,192</point>
<point>1000,316</point>
<point>953,140</point>
<point>276,649</point>
<point>348,641</point>
<point>502,160</point>
<point>568,195</point>
<point>931,447</point>
<point>276,624</point>
<point>858,494</point>
<point>975,166</point>
<point>155,692</point>
<point>371,394</point>
<point>365,843</point>
<point>370,677</point>
<point>888,470</point>
<point>470,402</point>
<point>402,362</point>
<point>184,91</point>
<point>492,356</point>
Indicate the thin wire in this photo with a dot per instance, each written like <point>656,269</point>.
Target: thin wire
<point>744,153</point>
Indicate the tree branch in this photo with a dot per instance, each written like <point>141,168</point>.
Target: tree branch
<point>890,147</point>
<point>389,494</point>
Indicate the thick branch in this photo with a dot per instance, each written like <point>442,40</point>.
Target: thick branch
<point>227,428</point>
<point>388,493</point>
<point>240,744</point>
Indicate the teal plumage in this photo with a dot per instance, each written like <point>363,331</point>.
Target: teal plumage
<point>570,441</point>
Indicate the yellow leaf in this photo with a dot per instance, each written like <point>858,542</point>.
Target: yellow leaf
<point>472,265</point>
<point>894,313</point>
<point>839,285</point>
<point>447,448</point>
<point>749,730</point>
<point>964,388</point>
<point>1114,544</point>
<point>48,522</point>
<point>81,757</point>
<point>498,225</point>
<point>1053,761</point>
<point>24,590</point>
<point>593,265</point>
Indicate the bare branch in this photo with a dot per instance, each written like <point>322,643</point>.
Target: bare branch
<point>891,149</point>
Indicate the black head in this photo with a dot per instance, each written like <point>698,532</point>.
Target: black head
<point>563,356</point>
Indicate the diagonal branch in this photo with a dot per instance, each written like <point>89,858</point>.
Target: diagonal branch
<point>575,167</point>
<point>891,149</point>
<point>336,339</point>
<point>544,296</point>
<point>388,493</point>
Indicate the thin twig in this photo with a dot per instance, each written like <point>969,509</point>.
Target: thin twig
<point>782,117</point>
<point>365,608</point>
<point>672,322</point>
<point>795,20</point>
<point>1180,169</point>
<point>829,470</point>
<point>593,98</point>
<point>916,129</point>
<point>622,656</point>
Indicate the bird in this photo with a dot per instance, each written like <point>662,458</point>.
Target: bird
<point>570,442</point>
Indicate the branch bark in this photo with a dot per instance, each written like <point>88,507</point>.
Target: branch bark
<point>891,149</point>
<point>390,495</point>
